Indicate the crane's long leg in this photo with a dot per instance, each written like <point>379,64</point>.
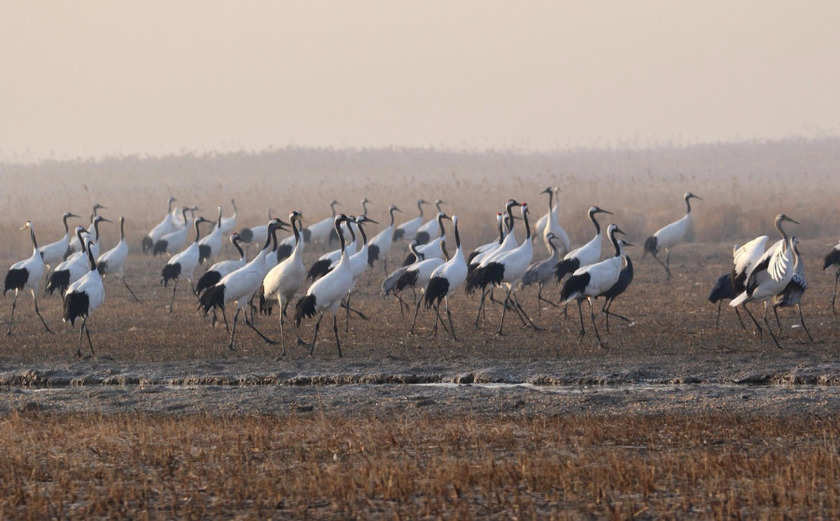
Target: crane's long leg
<point>295,329</point>
<point>233,330</point>
<point>770,329</point>
<point>757,325</point>
<point>607,311</point>
<point>480,308</point>
<point>504,309</point>
<point>129,290</point>
<point>172,301</point>
<point>315,336</point>
<point>416,311</point>
<point>717,320</point>
<point>802,321</point>
<point>81,334</point>
<point>335,330</point>
<point>776,314</point>
<point>250,323</point>
<point>12,315</point>
<point>582,328</point>
<point>449,316</point>
<point>738,313</point>
<point>834,294</point>
<point>87,332</point>
<point>667,269</point>
<point>541,299</point>
<point>521,311</point>
<point>594,325</point>
<point>38,312</point>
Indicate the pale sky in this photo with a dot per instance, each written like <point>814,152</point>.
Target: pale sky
<point>92,78</point>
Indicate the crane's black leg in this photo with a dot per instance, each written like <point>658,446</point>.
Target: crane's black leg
<point>449,316</point>
<point>504,309</point>
<point>802,321</point>
<point>776,313</point>
<point>480,308</point>
<point>757,325</point>
<point>87,332</point>
<point>315,336</point>
<point>12,315</point>
<point>81,335</point>
<point>250,323</point>
<point>605,311</point>
<point>521,311</point>
<point>667,269</point>
<point>594,325</point>
<point>541,299</point>
<point>738,313</point>
<point>769,329</point>
<point>582,328</point>
<point>717,320</point>
<point>233,330</point>
<point>129,290</point>
<point>172,301</point>
<point>38,312</point>
<point>416,310</point>
<point>335,330</point>
<point>834,294</point>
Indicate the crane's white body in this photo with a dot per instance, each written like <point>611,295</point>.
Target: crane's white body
<point>284,280</point>
<point>176,240</point>
<point>552,224</point>
<point>112,261</point>
<point>229,223</point>
<point>213,240</point>
<point>409,228</point>
<point>770,280</point>
<point>54,252</point>
<point>169,224</point>
<point>671,234</point>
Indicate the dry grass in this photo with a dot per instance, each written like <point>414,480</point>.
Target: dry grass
<point>137,466</point>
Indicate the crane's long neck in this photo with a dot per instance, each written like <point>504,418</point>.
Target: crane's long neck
<point>219,218</point>
<point>332,207</point>
<point>271,239</point>
<point>595,222</point>
<point>196,225</point>
<point>66,227</point>
<point>440,224</point>
<point>122,229</point>
<point>238,248</point>
<point>688,205</point>
<point>527,225</point>
<point>615,243</point>
<point>364,235</point>
<point>82,242</point>
<point>32,235</point>
<point>392,217</point>
<point>420,207</point>
<point>91,259</point>
<point>295,230</point>
<point>550,200</point>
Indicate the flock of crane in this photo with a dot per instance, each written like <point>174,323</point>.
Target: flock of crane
<point>74,266</point>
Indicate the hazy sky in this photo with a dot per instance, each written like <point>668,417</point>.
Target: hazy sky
<point>86,78</point>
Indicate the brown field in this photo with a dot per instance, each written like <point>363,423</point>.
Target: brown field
<point>674,419</point>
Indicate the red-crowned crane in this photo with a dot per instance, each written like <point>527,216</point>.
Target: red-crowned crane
<point>445,279</point>
<point>285,279</point>
<point>75,244</point>
<point>490,246</point>
<point>730,285</point>
<point>54,252</point>
<point>182,264</point>
<point>668,236</point>
<point>389,285</point>
<point>218,270</point>
<point>771,274</point>
<point>76,264</point>
<point>326,293</point>
<point>416,276</point>
<point>508,269</point>
<point>590,281</point>
<point>112,261</point>
<point>408,229</point>
<point>82,298</point>
<point>792,294</point>
<point>431,248</point>
<point>833,259</point>
<point>167,225</point>
<point>358,263</point>
<point>229,223</point>
<point>322,231</point>
<point>211,244</point>
<point>26,273</point>
<point>475,275</point>
<point>541,272</point>
<point>175,240</point>
<point>327,261</point>
<point>239,286</point>
<point>624,280</point>
<point>255,234</point>
<point>585,255</point>
<point>380,244</point>
<point>430,229</point>
<point>552,224</point>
